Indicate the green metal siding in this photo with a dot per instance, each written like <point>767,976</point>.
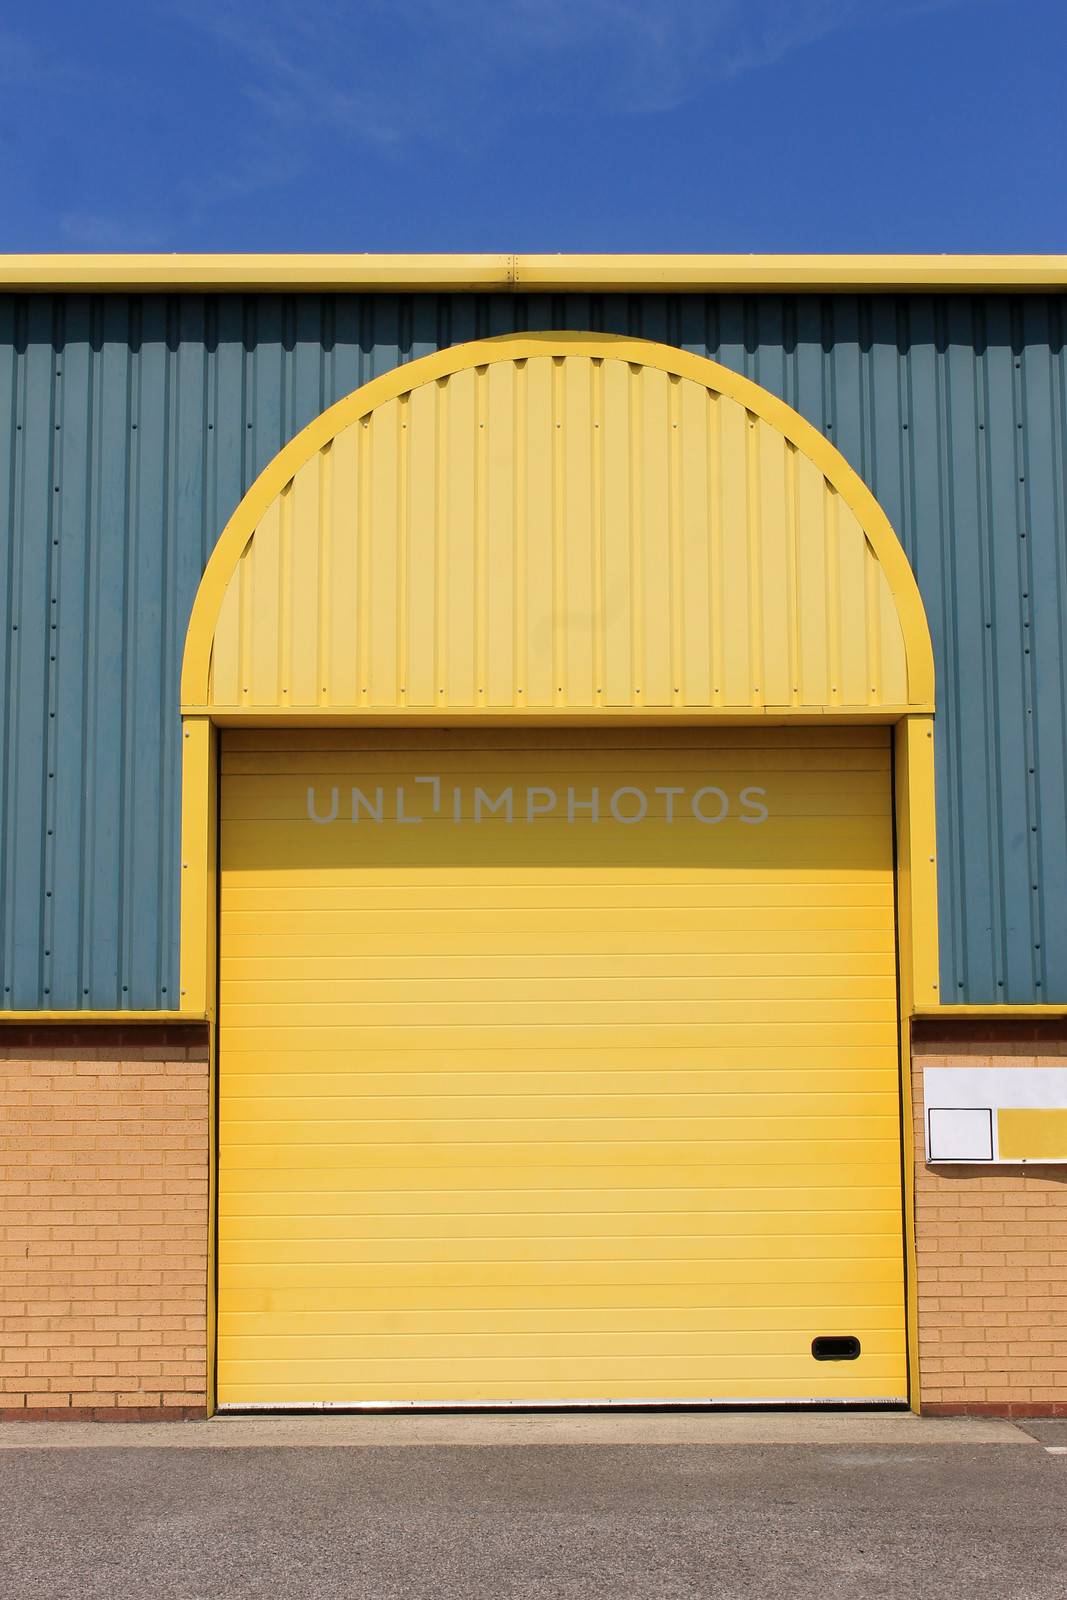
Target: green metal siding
<point>130,426</point>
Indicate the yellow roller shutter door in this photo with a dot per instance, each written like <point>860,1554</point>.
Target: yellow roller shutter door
<point>558,1067</point>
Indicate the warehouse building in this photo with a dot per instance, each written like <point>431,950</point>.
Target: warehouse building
<point>533,832</point>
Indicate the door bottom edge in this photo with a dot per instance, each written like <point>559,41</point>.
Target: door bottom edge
<point>712,1403</point>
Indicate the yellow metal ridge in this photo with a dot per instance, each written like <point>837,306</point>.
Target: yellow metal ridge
<point>46,1018</point>
<point>497,272</point>
<point>948,1013</point>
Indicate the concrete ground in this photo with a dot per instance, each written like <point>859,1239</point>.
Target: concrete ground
<point>635,1507</point>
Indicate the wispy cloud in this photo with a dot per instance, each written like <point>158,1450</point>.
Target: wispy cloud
<point>263,91</point>
<point>386,70</point>
<point>25,63</point>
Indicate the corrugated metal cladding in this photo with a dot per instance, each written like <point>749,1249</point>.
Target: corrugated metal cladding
<point>550,535</point>
<point>131,426</point>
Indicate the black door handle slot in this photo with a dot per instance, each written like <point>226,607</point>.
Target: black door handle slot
<point>835,1347</point>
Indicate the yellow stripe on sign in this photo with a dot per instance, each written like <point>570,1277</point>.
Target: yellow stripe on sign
<point>582,1104</point>
<point>1030,1134</point>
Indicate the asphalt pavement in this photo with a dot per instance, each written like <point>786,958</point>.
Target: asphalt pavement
<point>597,1507</point>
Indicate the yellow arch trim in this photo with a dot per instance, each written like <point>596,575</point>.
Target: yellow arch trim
<point>511,347</point>
<point>913,734</point>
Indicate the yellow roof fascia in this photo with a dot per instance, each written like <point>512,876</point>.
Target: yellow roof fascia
<point>992,1013</point>
<point>536,273</point>
<point>84,1018</point>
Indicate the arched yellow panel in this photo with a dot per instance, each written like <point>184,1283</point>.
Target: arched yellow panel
<point>558,523</point>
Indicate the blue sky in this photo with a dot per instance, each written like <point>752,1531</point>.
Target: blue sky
<point>534,125</point>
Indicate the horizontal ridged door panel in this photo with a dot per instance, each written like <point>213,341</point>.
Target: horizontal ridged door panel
<point>588,1104</point>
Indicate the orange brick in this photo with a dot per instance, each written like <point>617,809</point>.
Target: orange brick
<point>104,1169</point>
<point>992,1251</point>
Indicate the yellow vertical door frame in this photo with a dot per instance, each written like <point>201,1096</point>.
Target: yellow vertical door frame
<point>199,958</point>
<point>917,946</point>
<point>916,883</point>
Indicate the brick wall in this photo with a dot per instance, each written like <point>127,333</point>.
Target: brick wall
<point>992,1251</point>
<point>104,1197</point>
